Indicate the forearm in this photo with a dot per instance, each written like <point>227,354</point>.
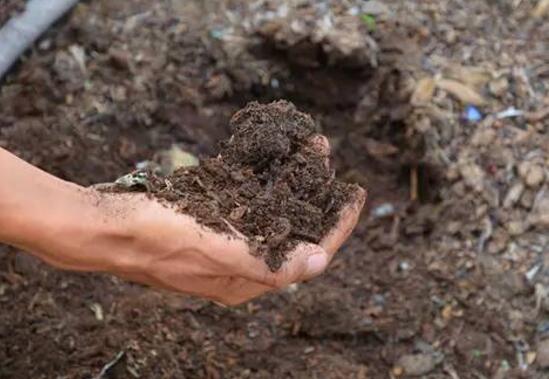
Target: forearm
<point>48,216</point>
<point>25,193</point>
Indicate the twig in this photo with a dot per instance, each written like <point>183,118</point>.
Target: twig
<point>414,184</point>
<point>486,234</point>
<point>110,365</point>
<point>232,228</point>
<point>449,369</point>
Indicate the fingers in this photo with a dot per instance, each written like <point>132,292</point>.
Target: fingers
<point>348,219</point>
<point>239,290</point>
<point>305,262</point>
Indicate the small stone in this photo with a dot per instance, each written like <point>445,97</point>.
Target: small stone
<point>68,69</point>
<point>417,364</point>
<point>454,227</point>
<point>450,36</point>
<point>397,371</point>
<point>540,216</point>
<point>527,199</point>
<point>499,241</point>
<point>447,312</point>
<point>533,174</point>
<point>473,175</point>
<point>498,87</point>
<point>513,195</point>
<point>542,354</point>
<point>423,125</point>
<point>524,168</point>
<point>484,137</point>
<point>517,227</point>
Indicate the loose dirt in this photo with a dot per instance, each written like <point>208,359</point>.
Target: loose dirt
<point>269,182</point>
<point>447,271</point>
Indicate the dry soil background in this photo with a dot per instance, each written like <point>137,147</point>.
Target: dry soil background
<point>440,108</point>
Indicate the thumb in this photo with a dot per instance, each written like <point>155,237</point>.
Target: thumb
<point>306,262</point>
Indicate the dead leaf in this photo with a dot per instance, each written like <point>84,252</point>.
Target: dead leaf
<point>474,77</point>
<point>423,92</point>
<point>540,115</point>
<point>541,9</point>
<point>238,213</point>
<point>461,91</point>
<point>79,56</point>
<point>174,158</point>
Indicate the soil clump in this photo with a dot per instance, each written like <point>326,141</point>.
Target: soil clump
<point>269,182</point>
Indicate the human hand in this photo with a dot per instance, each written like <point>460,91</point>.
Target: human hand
<point>137,238</point>
<point>186,257</point>
<point>172,251</point>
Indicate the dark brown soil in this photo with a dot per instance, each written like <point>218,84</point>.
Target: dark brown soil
<point>434,268</point>
<point>268,183</point>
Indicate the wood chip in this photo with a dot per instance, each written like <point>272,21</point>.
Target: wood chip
<point>541,9</point>
<point>471,76</point>
<point>462,92</point>
<point>423,92</point>
<point>537,116</point>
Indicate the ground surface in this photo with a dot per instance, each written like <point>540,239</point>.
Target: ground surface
<point>447,274</point>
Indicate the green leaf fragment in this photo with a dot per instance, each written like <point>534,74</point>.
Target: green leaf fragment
<point>370,21</point>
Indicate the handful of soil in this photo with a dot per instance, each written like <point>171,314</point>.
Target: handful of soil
<point>268,182</point>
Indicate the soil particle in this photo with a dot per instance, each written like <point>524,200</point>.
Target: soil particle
<point>268,183</point>
<point>543,354</point>
<point>418,364</point>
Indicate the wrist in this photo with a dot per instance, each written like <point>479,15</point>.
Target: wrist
<point>67,225</point>
<point>85,230</point>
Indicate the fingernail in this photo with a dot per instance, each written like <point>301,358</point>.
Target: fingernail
<point>316,264</point>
